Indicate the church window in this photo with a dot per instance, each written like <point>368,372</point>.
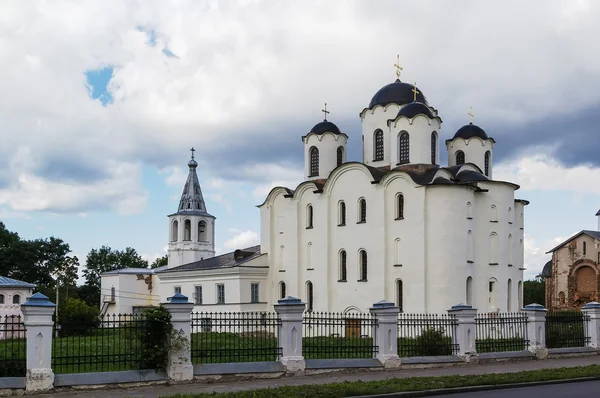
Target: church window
<point>198,295</point>
<point>281,248</point>
<point>314,161</point>
<point>378,145</point>
<point>397,252</point>
<point>174,231</point>
<point>561,298</point>
<point>399,206</point>
<point>340,155</point>
<point>492,293</point>
<point>493,249</point>
<point>282,291</point>
<point>113,294</point>
<point>363,265</point>
<point>510,215</point>
<point>309,216</point>
<point>189,205</point>
<point>177,290</point>
<point>493,213</point>
<point>220,294</point>
<point>202,234</point>
<point>584,248</point>
<point>342,213</point>
<point>254,297</point>
<point>362,210</point>
<point>486,162</point>
<point>343,269</point>
<point>510,250</point>
<point>469,291</point>
<point>16,299</point>
<point>470,246</point>
<point>404,148</point>
<point>460,157</point>
<point>187,230</point>
<point>309,256</point>
<point>433,147</point>
<point>469,211</point>
<point>520,294</point>
<point>1,299</point>
<point>400,294</point>
<point>309,296</point>
<point>508,296</point>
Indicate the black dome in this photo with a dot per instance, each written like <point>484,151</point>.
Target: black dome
<point>325,127</point>
<point>415,108</point>
<point>396,93</point>
<point>469,131</point>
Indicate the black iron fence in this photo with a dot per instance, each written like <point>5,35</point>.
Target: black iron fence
<point>328,335</point>
<point>113,344</point>
<point>13,346</point>
<point>501,332</point>
<point>220,337</point>
<point>426,335</point>
<point>567,329</point>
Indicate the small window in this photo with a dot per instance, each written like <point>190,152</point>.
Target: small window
<point>399,206</point>
<point>254,298</point>
<point>309,217</point>
<point>202,234</point>
<point>220,294</point>
<point>198,295</point>
<point>177,289</point>
<point>174,231</point>
<point>342,213</point>
<point>584,248</point>
<point>433,147</point>
<point>187,230</point>
<point>469,211</point>
<point>340,155</point>
<point>113,294</point>
<point>16,299</point>
<point>400,294</point>
<point>460,157</point>
<point>343,269</point>
<point>314,161</point>
<point>362,210</point>
<point>378,145</point>
<point>1,299</point>
<point>491,286</point>
<point>404,148</point>
<point>363,265</point>
<point>309,296</point>
<point>486,162</point>
<point>282,291</point>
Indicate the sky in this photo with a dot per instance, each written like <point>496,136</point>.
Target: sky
<point>101,101</point>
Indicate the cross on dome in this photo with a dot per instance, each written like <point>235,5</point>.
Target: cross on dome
<point>471,114</point>
<point>415,92</point>
<point>193,150</point>
<point>398,67</point>
<point>325,111</point>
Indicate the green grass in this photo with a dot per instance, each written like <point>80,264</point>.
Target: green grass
<point>349,389</point>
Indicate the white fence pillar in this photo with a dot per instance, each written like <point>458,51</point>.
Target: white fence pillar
<point>290,310</point>
<point>37,318</point>
<point>593,327</point>
<point>536,329</point>
<point>385,333</point>
<point>180,359</point>
<point>464,331</point>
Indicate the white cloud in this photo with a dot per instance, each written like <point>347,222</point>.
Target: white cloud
<point>242,240</point>
<point>7,214</point>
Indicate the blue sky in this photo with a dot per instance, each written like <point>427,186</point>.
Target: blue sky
<point>101,114</point>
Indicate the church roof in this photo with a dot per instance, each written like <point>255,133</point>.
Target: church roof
<point>547,271</point>
<point>396,93</point>
<point>135,271</point>
<point>415,108</point>
<point>192,201</point>
<point>593,234</point>
<point>325,127</point>
<point>9,282</point>
<point>469,131</point>
<point>228,260</point>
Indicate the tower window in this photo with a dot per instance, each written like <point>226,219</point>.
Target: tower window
<point>340,155</point>
<point>314,161</point>
<point>16,299</point>
<point>363,265</point>
<point>433,147</point>
<point>342,213</point>
<point>460,157</point>
<point>202,235</point>
<point>309,217</point>
<point>399,206</point>
<point>343,269</point>
<point>486,161</point>
<point>282,291</point>
<point>309,296</point>
<point>404,148</point>
<point>362,210</point>
<point>399,294</point>
<point>378,145</point>
<point>187,230</point>
<point>175,231</point>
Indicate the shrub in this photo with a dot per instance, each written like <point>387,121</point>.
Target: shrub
<point>76,317</point>
<point>432,342</point>
<point>157,338</point>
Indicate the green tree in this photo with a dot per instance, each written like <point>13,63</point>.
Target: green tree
<point>534,291</point>
<point>77,317</point>
<point>159,262</point>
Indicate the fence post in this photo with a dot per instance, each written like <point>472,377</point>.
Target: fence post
<point>593,327</point>
<point>180,359</point>
<point>536,329</point>
<point>385,333</point>
<point>37,318</point>
<point>290,310</point>
<point>464,331</point>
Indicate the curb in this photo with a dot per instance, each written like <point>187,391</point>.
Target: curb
<point>457,390</point>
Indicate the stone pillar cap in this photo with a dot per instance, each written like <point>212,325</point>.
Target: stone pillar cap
<point>461,306</point>
<point>289,300</point>
<point>38,300</point>
<point>534,307</point>
<point>178,298</point>
<point>383,304</point>
<point>592,304</point>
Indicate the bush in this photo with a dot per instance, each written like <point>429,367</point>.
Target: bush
<point>432,342</point>
<point>76,317</point>
<point>158,338</point>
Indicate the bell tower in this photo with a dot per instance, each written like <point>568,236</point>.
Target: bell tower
<point>191,228</point>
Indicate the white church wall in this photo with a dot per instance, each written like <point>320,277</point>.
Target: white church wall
<point>8,306</point>
<point>372,120</point>
<point>474,149</point>
<point>327,144</point>
<point>130,291</point>
<point>419,130</point>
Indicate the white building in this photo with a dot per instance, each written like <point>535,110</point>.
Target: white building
<point>396,226</point>
<point>13,293</point>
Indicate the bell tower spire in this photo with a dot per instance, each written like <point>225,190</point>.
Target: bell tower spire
<point>191,228</point>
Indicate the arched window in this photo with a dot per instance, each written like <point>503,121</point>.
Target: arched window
<point>174,231</point>
<point>460,157</point>
<point>309,216</point>
<point>469,291</point>
<point>492,292</point>
<point>187,230</point>
<point>404,148</point>
<point>399,206</point>
<point>493,249</point>
<point>16,299</point>
<point>508,296</point>
<point>469,211</point>
<point>314,161</point>
<point>561,298</point>
<point>433,147</point>
<point>341,213</point>
<point>584,248</point>
<point>1,299</point>
<point>378,145</point>
<point>397,252</point>
<point>343,269</point>
<point>202,233</point>
<point>486,162</point>
<point>400,294</point>
<point>363,265</point>
<point>113,293</point>
<point>309,296</point>
<point>362,210</point>
<point>340,155</point>
<point>282,291</point>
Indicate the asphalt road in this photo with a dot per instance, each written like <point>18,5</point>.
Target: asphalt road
<point>585,389</point>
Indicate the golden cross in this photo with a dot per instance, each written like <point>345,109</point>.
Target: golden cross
<point>398,67</point>
<point>193,150</point>
<point>325,111</point>
<point>471,113</point>
<point>415,91</point>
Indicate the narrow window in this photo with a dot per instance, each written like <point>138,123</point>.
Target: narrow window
<point>198,295</point>
<point>177,289</point>
<point>397,252</point>
<point>470,246</point>
<point>340,155</point>
<point>362,210</point>
<point>510,250</point>
<point>343,270</point>
<point>314,162</point>
<point>460,157</point>
<point>404,148</point>
<point>510,215</point>
<point>309,296</point>
<point>342,213</point>
<point>309,256</point>
<point>113,294</point>
<point>508,297</point>
<point>433,147</point>
<point>174,231</point>
<point>309,217</point>
<point>399,206</point>
<point>202,235</point>
<point>187,230</point>
<point>282,291</point>
<point>220,294</point>
<point>378,145</point>
<point>1,299</point>
<point>469,211</point>
<point>281,259</point>
<point>584,248</point>
<point>363,265</point>
<point>254,298</point>
<point>493,213</point>
<point>486,161</point>
<point>469,291</point>
<point>16,299</point>
<point>493,249</point>
<point>400,294</point>
<point>520,294</point>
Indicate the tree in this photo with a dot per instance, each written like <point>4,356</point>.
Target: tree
<point>159,262</point>
<point>534,291</point>
<point>66,273</point>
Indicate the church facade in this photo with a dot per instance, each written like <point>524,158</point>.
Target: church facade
<point>396,225</point>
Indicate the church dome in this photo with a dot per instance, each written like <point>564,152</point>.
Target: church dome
<point>469,131</point>
<point>415,108</point>
<point>398,93</point>
<point>325,127</point>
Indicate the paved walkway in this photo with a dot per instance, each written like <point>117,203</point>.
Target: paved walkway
<point>164,390</point>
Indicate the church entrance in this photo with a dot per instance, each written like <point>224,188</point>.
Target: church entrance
<point>352,327</point>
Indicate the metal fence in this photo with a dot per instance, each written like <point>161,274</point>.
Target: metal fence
<point>329,335</point>
<point>113,344</point>
<point>501,332</point>
<point>13,346</point>
<point>221,337</point>
<point>567,329</point>
<point>426,335</point>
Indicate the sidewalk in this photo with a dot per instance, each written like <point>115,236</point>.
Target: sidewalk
<point>161,391</point>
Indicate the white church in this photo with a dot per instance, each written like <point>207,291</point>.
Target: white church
<point>396,226</point>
